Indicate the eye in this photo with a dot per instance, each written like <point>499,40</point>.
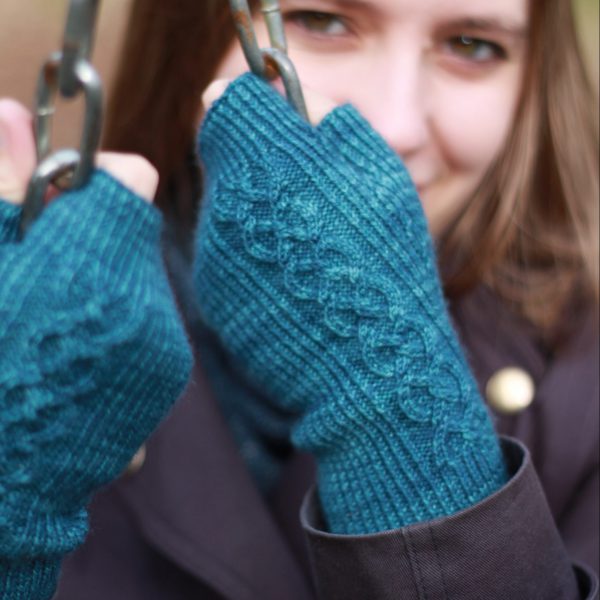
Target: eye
<point>474,49</point>
<point>320,23</point>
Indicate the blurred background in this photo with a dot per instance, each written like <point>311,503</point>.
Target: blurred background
<point>31,29</point>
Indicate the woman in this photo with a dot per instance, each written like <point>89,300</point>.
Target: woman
<point>476,186</point>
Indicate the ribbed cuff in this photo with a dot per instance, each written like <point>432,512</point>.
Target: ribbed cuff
<point>250,113</point>
<point>33,579</point>
<point>10,215</point>
<point>103,218</point>
<point>382,474</point>
<point>250,120</point>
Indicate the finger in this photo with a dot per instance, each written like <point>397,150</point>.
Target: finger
<point>213,92</point>
<point>318,106</point>
<point>17,150</point>
<point>133,171</point>
<point>18,158</point>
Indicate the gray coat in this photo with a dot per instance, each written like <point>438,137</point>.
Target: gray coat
<point>190,524</point>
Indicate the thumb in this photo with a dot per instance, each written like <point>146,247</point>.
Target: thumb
<point>17,150</point>
<point>318,106</point>
<point>132,170</point>
<point>18,158</point>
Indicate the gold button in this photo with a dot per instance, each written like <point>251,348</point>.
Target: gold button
<point>510,390</point>
<point>137,462</point>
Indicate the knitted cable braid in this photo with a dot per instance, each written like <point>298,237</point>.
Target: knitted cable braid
<point>92,355</point>
<point>316,271</point>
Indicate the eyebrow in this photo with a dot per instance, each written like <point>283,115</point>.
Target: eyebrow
<point>348,4</point>
<point>366,8</point>
<point>485,24</point>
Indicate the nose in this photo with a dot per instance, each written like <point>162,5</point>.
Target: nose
<point>395,104</point>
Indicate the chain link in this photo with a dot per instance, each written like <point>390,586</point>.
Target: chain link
<point>58,164</point>
<point>68,73</point>
<point>272,62</point>
<point>78,43</point>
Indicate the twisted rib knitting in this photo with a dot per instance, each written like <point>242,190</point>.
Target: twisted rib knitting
<point>10,215</point>
<point>92,355</point>
<point>316,271</point>
<point>261,429</point>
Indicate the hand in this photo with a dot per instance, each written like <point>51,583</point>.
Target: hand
<point>317,273</point>
<point>92,352</point>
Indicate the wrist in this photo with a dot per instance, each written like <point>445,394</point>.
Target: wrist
<point>386,473</point>
<point>24,579</point>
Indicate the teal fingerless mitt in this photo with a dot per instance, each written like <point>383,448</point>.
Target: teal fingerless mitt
<point>316,271</point>
<point>92,355</point>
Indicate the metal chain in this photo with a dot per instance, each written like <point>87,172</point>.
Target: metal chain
<point>272,62</point>
<point>78,43</point>
<point>68,73</point>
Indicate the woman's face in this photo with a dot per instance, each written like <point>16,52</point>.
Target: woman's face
<point>438,79</point>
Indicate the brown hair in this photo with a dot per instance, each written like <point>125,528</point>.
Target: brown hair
<point>531,230</point>
<point>170,55</point>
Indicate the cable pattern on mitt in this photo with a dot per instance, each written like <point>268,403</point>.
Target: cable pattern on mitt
<point>282,225</point>
<point>316,271</point>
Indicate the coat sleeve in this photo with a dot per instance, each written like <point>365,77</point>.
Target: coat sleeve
<point>580,524</point>
<point>506,546</point>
